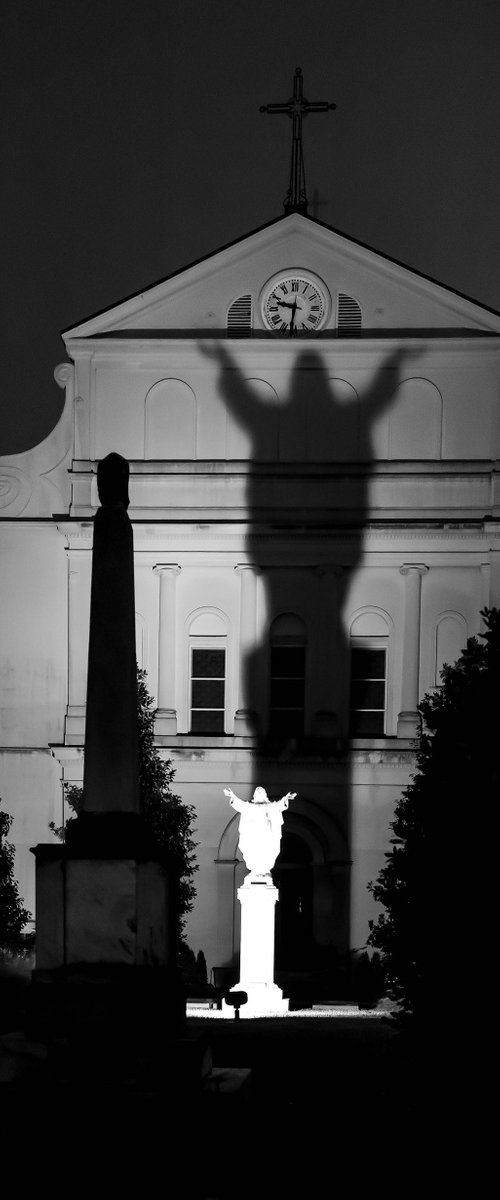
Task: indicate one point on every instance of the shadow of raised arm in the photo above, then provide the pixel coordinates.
(381, 392)
(240, 400)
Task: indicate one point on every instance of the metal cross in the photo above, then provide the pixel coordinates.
(297, 107)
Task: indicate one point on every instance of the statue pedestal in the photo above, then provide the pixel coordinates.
(257, 952)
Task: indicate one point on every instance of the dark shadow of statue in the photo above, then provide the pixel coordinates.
(318, 445)
(328, 430)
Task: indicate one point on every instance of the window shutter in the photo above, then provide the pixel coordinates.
(348, 315)
(239, 317)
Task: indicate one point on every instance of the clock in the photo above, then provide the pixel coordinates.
(295, 303)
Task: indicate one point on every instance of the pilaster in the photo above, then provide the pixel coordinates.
(244, 717)
(409, 723)
(79, 564)
(166, 714)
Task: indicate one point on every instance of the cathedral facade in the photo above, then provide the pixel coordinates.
(313, 439)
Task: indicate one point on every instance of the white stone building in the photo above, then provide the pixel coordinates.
(316, 528)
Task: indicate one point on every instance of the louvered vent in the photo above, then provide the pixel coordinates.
(348, 315)
(239, 317)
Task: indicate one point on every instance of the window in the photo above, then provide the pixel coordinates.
(288, 671)
(368, 689)
(208, 675)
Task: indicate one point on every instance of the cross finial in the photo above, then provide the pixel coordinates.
(297, 107)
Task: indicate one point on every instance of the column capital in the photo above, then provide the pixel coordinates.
(421, 568)
(241, 567)
(164, 568)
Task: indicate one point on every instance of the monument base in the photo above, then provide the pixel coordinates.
(106, 981)
(100, 910)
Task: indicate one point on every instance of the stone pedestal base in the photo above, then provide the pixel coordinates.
(106, 984)
(245, 722)
(409, 725)
(100, 910)
(165, 722)
(263, 1001)
(258, 899)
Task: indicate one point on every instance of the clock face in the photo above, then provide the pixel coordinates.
(294, 304)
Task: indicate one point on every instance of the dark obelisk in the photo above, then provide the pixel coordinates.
(111, 776)
(104, 912)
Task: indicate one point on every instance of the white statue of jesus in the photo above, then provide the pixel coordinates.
(261, 820)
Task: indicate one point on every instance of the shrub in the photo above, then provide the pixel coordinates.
(434, 885)
(13, 914)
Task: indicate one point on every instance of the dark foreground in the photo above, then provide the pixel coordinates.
(328, 1099)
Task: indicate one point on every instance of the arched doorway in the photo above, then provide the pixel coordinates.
(293, 876)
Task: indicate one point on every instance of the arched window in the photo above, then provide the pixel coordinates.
(288, 675)
(207, 674)
(368, 675)
(170, 421)
(451, 639)
(415, 420)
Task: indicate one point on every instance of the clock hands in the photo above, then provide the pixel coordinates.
(294, 306)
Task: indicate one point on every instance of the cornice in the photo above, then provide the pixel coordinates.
(165, 535)
(401, 468)
(146, 348)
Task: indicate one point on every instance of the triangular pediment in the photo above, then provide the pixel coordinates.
(390, 296)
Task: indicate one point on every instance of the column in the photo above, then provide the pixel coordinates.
(245, 717)
(485, 589)
(79, 566)
(409, 719)
(166, 715)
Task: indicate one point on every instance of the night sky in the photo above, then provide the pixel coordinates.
(133, 145)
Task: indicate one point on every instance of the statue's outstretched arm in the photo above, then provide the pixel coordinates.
(285, 799)
(234, 800)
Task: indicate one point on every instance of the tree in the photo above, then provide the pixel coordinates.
(13, 915)
(168, 818)
(434, 883)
